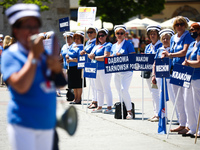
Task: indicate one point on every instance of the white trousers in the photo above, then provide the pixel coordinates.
(103, 88)
(22, 138)
(171, 96)
(155, 94)
(122, 83)
(180, 105)
(191, 120)
(196, 98)
(94, 90)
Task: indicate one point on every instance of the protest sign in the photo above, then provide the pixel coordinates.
(116, 64)
(141, 62)
(82, 59)
(182, 75)
(64, 24)
(90, 70)
(162, 67)
(86, 16)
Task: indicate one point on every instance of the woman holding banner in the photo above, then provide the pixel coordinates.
(153, 35)
(102, 82)
(165, 36)
(92, 33)
(193, 93)
(123, 79)
(75, 74)
(178, 47)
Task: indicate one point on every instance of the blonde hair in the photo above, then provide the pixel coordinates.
(119, 30)
(6, 41)
(164, 35)
(180, 19)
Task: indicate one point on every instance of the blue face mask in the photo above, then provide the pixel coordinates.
(194, 34)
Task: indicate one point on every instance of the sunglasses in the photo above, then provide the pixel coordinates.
(191, 30)
(119, 33)
(102, 35)
(90, 32)
(179, 24)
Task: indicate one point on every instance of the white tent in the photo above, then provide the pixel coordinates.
(168, 23)
(107, 25)
(149, 21)
(135, 24)
(74, 26)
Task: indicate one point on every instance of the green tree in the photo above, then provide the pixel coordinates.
(119, 11)
(40, 3)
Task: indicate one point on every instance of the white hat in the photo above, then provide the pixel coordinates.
(41, 34)
(153, 27)
(79, 33)
(186, 18)
(116, 27)
(65, 34)
(104, 29)
(1, 35)
(18, 11)
(93, 28)
(166, 31)
(49, 33)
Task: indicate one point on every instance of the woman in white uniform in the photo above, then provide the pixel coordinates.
(178, 47)
(153, 35)
(192, 94)
(123, 79)
(102, 82)
(92, 33)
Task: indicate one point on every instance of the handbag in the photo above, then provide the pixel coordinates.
(118, 114)
(145, 74)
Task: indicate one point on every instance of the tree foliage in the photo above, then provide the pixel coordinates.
(40, 3)
(119, 11)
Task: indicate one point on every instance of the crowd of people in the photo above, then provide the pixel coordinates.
(26, 75)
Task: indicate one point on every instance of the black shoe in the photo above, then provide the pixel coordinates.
(193, 136)
(75, 102)
(186, 135)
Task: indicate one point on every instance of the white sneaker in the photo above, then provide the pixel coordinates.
(108, 111)
(129, 116)
(155, 119)
(96, 111)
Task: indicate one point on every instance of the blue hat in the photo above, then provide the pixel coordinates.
(104, 29)
(153, 27)
(116, 27)
(166, 31)
(18, 11)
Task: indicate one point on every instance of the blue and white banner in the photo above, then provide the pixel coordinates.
(141, 62)
(162, 67)
(117, 64)
(90, 70)
(182, 75)
(82, 59)
(64, 24)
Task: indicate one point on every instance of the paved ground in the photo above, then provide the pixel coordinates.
(102, 131)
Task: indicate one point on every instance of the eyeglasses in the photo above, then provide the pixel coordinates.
(191, 30)
(90, 32)
(102, 35)
(179, 24)
(119, 33)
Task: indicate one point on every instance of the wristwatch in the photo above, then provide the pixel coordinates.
(34, 61)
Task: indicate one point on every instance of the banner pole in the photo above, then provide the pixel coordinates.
(165, 103)
(197, 128)
(173, 110)
(83, 72)
(142, 97)
(122, 110)
(88, 95)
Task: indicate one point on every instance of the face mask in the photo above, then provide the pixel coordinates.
(194, 34)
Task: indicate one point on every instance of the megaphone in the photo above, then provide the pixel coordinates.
(68, 120)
